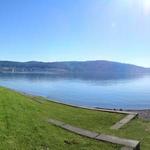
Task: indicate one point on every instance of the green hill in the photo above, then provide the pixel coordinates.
(72, 67)
(23, 125)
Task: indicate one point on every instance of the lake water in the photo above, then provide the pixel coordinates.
(125, 92)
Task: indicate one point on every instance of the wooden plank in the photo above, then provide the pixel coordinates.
(122, 122)
(132, 144)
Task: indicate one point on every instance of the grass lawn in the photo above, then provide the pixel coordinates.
(23, 125)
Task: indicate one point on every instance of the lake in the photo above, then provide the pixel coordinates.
(123, 92)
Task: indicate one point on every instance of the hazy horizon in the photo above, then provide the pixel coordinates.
(73, 61)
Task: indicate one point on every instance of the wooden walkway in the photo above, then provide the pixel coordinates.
(124, 121)
(118, 125)
(127, 144)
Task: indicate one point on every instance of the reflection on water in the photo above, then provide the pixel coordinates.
(109, 91)
(94, 76)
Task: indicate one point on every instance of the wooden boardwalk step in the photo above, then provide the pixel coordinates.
(124, 121)
(126, 143)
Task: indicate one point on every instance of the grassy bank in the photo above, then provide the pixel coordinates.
(23, 125)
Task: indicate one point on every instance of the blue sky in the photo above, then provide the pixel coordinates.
(64, 30)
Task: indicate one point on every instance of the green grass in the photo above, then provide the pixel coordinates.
(137, 129)
(23, 125)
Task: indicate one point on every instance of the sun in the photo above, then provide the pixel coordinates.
(142, 6)
(145, 4)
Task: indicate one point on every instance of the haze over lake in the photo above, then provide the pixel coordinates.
(119, 92)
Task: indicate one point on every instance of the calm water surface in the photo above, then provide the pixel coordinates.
(126, 93)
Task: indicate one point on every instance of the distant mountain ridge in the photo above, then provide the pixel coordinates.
(73, 67)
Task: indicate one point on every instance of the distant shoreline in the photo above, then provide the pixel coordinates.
(74, 67)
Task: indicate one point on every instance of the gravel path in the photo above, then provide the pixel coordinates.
(144, 114)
